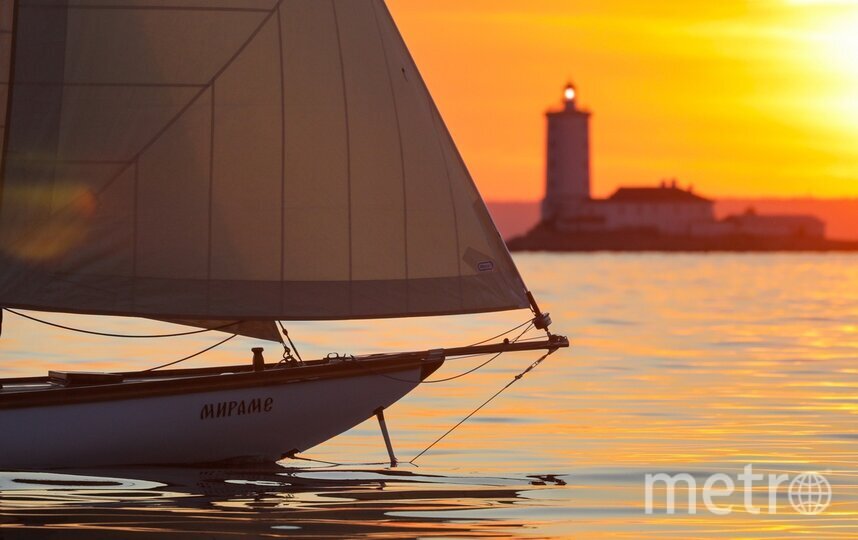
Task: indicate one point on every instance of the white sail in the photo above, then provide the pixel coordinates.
(237, 160)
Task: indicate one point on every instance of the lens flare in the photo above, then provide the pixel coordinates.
(64, 215)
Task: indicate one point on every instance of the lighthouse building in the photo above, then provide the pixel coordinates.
(568, 160)
(666, 208)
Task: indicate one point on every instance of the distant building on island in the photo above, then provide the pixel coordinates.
(665, 209)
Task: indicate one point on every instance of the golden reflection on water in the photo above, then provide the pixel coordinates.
(679, 363)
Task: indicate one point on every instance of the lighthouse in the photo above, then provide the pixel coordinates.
(567, 188)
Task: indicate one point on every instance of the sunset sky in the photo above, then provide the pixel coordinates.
(738, 98)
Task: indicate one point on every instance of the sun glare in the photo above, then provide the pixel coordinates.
(835, 41)
(823, 2)
(832, 25)
(841, 44)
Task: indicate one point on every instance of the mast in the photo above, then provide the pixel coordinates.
(8, 12)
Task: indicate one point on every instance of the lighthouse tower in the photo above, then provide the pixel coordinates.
(568, 168)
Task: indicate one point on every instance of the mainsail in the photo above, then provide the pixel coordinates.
(233, 160)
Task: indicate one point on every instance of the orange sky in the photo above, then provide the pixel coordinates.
(741, 98)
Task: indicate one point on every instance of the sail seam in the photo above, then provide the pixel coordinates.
(348, 145)
(128, 7)
(432, 111)
(134, 233)
(59, 118)
(108, 84)
(282, 157)
(401, 152)
(211, 200)
(81, 161)
(453, 206)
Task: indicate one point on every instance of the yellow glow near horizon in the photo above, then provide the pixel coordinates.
(738, 98)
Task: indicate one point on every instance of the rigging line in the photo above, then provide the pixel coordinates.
(124, 336)
(481, 366)
(511, 330)
(475, 411)
(291, 344)
(207, 349)
(460, 375)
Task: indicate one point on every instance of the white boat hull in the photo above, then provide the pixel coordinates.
(209, 415)
(257, 423)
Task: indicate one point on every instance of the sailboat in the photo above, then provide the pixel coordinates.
(229, 165)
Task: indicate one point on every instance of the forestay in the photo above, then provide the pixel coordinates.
(234, 159)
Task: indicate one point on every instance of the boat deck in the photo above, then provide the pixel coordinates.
(68, 379)
(61, 387)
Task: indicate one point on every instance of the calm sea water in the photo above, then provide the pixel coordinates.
(680, 363)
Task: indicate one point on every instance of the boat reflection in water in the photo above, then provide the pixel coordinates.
(266, 500)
